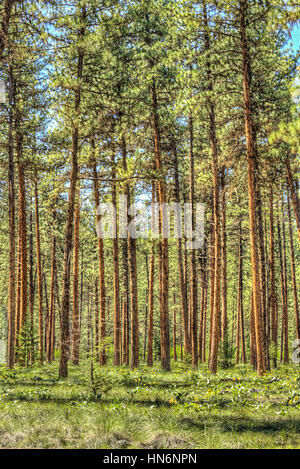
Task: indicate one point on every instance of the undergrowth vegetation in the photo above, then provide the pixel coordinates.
(147, 408)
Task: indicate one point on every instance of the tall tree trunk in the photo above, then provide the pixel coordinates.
(174, 329)
(117, 318)
(224, 259)
(133, 297)
(75, 322)
(51, 325)
(283, 289)
(251, 164)
(216, 317)
(193, 267)
(102, 288)
(65, 304)
(151, 305)
(12, 246)
(23, 233)
(96, 320)
(46, 322)
(183, 289)
(18, 294)
(253, 355)
(39, 272)
(285, 316)
(146, 306)
(240, 311)
(163, 248)
(126, 319)
(293, 270)
(31, 290)
(273, 299)
(202, 326)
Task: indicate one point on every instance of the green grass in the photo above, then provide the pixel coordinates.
(149, 408)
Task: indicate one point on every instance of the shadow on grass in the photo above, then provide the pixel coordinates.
(234, 424)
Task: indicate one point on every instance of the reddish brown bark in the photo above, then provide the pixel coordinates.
(117, 317)
(12, 246)
(216, 316)
(224, 258)
(76, 321)
(65, 304)
(183, 289)
(293, 270)
(102, 288)
(39, 272)
(251, 165)
(273, 298)
(22, 234)
(193, 269)
(163, 248)
(51, 322)
(151, 311)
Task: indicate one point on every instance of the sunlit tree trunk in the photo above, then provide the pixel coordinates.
(224, 259)
(102, 288)
(163, 248)
(51, 326)
(22, 233)
(216, 316)
(12, 245)
(126, 318)
(117, 318)
(193, 267)
(183, 289)
(76, 322)
(65, 304)
(151, 305)
(293, 270)
(39, 272)
(251, 165)
(273, 298)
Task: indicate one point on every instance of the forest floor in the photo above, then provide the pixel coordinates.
(148, 408)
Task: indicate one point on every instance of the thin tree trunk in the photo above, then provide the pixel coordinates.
(241, 296)
(183, 289)
(31, 290)
(117, 318)
(133, 298)
(150, 305)
(75, 322)
(23, 237)
(216, 317)
(12, 246)
(51, 327)
(285, 316)
(146, 306)
(39, 272)
(273, 299)
(163, 248)
(65, 306)
(224, 259)
(174, 329)
(102, 289)
(193, 269)
(293, 270)
(126, 319)
(283, 290)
